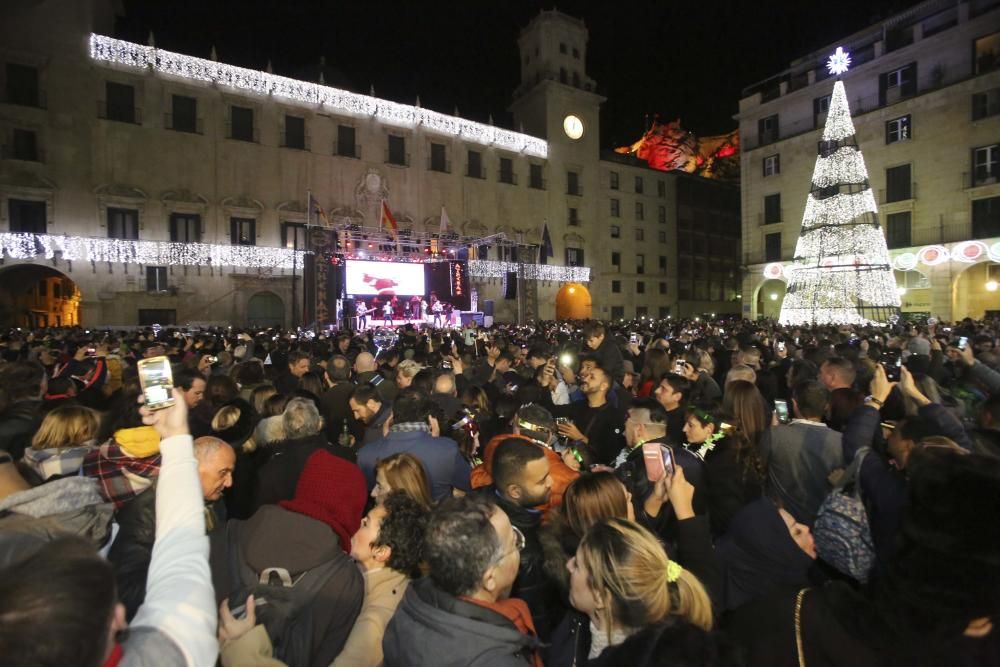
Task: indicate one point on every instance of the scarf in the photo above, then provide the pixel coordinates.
(410, 427)
(121, 476)
(116, 656)
(516, 611)
(599, 640)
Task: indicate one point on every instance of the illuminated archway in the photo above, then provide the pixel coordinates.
(770, 295)
(38, 296)
(573, 302)
(976, 291)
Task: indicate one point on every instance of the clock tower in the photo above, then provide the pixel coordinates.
(556, 101)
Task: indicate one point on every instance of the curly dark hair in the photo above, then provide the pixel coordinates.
(461, 543)
(402, 530)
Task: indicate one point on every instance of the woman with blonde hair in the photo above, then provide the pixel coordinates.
(627, 595)
(62, 441)
(402, 472)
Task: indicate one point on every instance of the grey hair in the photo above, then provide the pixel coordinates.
(741, 372)
(207, 445)
(301, 418)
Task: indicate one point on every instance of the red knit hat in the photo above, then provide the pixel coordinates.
(333, 491)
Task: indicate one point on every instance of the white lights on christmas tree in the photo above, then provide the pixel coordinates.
(119, 52)
(157, 253)
(842, 270)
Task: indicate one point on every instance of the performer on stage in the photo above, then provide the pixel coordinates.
(362, 311)
(438, 309)
(387, 313)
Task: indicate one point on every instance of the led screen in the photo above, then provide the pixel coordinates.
(378, 278)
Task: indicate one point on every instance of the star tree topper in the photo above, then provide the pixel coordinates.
(839, 62)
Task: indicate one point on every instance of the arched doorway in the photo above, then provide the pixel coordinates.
(770, 295)
(35, 296)
(573, 302)
(265, 309)
(975, 292)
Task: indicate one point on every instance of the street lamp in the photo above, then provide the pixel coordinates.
(992, 286)
(900, 291)
(774, 297)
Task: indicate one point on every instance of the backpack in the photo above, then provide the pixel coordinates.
(842, 533)
(283, 602)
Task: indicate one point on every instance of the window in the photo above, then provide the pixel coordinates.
(821, 105)
(123, 223)
(772, 165)
(22, 85)
(640, 235)
(767, 130)
(897, 230)
(574, 256)
(661, 188)
(898, 184)
(563, 75)
(663, 289)
(576, 53)
(662, 237)
(24, 145)
(662, 264)
(573, 183)
(295, 132)
(156, 279)
(616, 232)
(987, 53)
(57, 289)
(293, 235)
(241, 123)
(475, 165)
(618, 312)
(562, 47)
(183, 114)
(439, 158)
(640, 264)
(616, 286)
(535, 179)
(574, 217)
(984, 164)
(640, 211)
(986, 104)
(616, 260)
(772, 209)
(640, 287)
(243, 231)
(616, 208)
(27, 217)
(185, 228)
(772, 247)
(661, 215)
(638, 185)
(614, 180)
(346, 142)
(507, 171)
(119, 103)
(396, 151)
(986, 218)
(897, 129)
(898, 83)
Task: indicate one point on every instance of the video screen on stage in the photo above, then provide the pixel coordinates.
(384, 278)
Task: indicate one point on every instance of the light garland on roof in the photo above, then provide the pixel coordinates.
(130, 54)
(482, 268)
(158, 253)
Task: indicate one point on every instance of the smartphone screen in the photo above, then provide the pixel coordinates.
(668, 460)
(157, 382)
(781, 409)
(963, 342)
(892, 368)
(634, 338)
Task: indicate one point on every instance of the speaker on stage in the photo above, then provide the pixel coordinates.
(510, 285)
(488, 307)
(350, 310)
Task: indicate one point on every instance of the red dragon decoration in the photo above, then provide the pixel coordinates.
(669, 147)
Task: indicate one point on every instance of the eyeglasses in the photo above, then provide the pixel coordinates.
(519, 543)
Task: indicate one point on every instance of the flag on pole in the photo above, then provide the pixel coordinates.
(386, 220)
(321, 213)
(445, 222)
(546, 249)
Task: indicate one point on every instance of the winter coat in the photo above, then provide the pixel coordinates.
(18, 425)
(434, 629)
(70, 505)
(562, 474)
(277, 477)
(444, 464)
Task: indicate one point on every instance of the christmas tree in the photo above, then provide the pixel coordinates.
(842, 273)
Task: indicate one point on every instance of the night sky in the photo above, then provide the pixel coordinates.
(676, 59)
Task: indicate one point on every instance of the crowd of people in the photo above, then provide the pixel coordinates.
(696, 492)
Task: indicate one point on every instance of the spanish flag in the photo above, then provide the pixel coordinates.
(387, 221)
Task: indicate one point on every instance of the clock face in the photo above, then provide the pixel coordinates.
(573, 127)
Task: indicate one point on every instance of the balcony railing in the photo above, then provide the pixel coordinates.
(35, 100)
(440, 166)
(347, 150)
(253, 136)
(396, 159)
(883, 195)
(121, 114)
(472, 173)
(536, 184)
(576, 191)
(10, 153)
(762, 219)
(183, 124)
(978, 178)
(508, 177)
(295, 141)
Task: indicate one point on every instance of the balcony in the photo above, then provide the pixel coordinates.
(352, 150)
(472, 173)
(183, 124)
(35, 99)
(762, 219)
(440, 166)
(536, 183)
(12, 153)
(296, 142)
(575, 191)
(251, 135)
(397, 159)
(980, 178)
(119, 113)
(886, 197)
(508, 177)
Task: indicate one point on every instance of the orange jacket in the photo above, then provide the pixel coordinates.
(562, 474)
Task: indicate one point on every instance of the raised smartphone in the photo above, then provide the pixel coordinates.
(781, 409)
(659, 461)
(157, 381)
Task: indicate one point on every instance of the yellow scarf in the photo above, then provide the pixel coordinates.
(140, 442)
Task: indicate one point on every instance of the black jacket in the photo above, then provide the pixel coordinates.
(731, 484)
(532, 584)
(18, 425)
(603, 426)
(433, 629)
(277, 477)
(335, 407)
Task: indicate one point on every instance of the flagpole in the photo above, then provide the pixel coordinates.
(305, 292)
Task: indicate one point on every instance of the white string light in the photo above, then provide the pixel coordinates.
(845, 165)
(158, 253)
(482, 268)
(130, 54)
(839, 125)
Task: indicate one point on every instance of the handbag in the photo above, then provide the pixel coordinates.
(842, 532)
